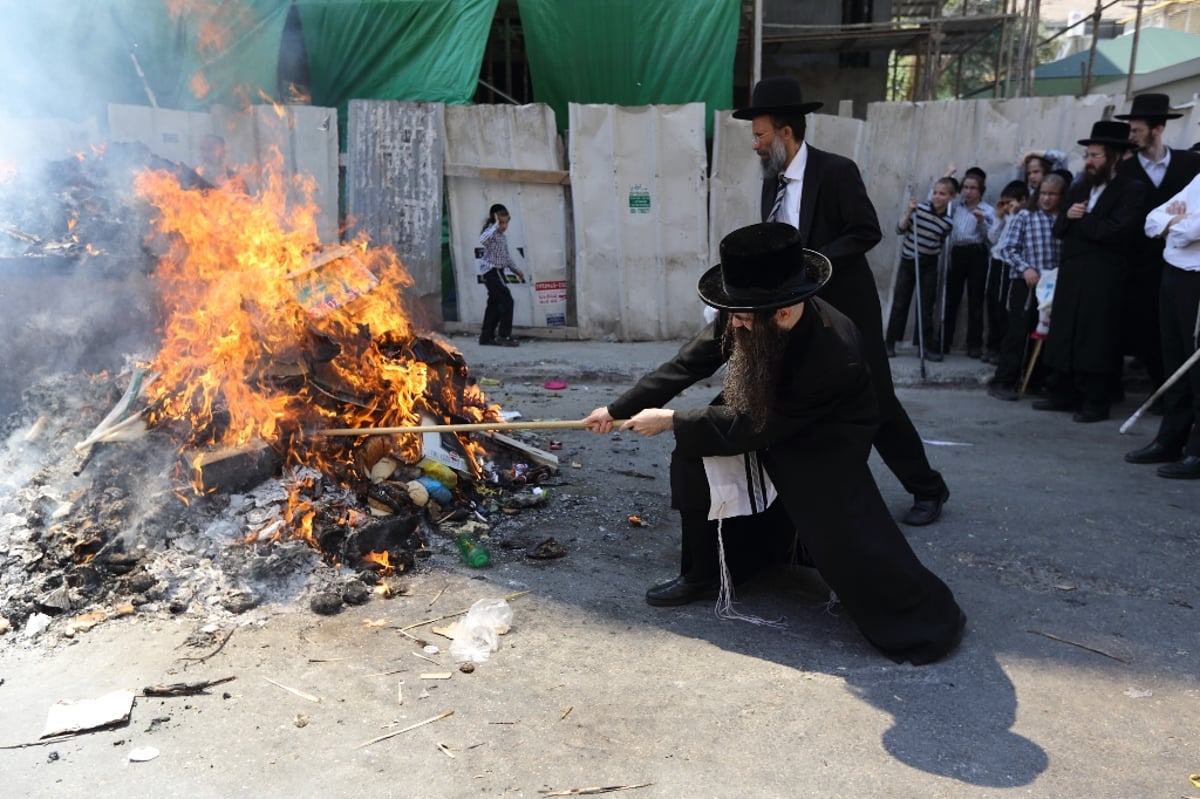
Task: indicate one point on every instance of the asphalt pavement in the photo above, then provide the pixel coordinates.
(1079, 675)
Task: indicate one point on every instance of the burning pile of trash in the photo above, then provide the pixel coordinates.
(211, 472)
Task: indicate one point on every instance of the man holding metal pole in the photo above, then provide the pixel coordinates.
(1177, 222)
(823, 196)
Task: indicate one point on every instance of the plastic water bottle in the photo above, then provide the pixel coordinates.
(473, 553)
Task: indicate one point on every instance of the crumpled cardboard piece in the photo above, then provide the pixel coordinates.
(67, 717)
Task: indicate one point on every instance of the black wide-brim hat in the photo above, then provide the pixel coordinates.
(778, 97)
(1150, 106)
(763, 267)
(1110, 133)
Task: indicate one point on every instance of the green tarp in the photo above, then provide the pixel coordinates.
(631, 52)
(71, 58)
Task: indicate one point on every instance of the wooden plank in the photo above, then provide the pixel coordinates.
(553, 176)
(534, 454)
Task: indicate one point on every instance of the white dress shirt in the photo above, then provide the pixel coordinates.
(790, 210)
(1183, 239)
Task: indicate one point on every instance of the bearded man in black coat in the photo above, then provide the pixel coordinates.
(1101, 221)
(798, 406)
(822, 195)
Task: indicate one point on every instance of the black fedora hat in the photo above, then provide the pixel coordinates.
(781, 95)
(1150, 106)
(763, 267)
(1110, 133)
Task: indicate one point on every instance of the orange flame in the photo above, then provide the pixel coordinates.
(199, 86)
(267, 335)
(383, 560)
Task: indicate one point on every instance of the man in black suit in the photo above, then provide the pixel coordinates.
(797, 404)
(1101, 219)
(823, 196)
(1166, 172)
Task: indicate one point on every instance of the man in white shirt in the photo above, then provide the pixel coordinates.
(1177, 223)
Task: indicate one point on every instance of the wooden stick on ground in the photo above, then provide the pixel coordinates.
(385, 736)
(595, 790)
(183, 688)
(1053, 637)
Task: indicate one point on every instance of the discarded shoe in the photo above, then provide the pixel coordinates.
(681, 592)
(926, 511)
(1186, 469)
(1153, 452)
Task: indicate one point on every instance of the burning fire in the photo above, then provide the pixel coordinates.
(268, 336)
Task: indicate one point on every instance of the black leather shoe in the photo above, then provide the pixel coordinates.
(1052, 404)
(974, 352)
(1089, 416)
(890, 349)
(680, 592)
(934, 356)
(1006, 393)
(926, 511)
(1153, 452)
(1186, 469)
(507, 341)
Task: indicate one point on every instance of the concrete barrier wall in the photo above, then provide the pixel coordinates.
(641, 219)
(494, 154)
(305, 136)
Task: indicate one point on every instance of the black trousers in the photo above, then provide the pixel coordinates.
(852, 291)
(1179, 301)
(995, 303)
(968, 268)
(1022, 320)
(498, 315)
(902, 296)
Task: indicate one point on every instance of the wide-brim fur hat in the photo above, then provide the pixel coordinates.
(763, 267)
(780, 96)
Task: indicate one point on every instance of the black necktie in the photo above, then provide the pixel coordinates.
(780, 193)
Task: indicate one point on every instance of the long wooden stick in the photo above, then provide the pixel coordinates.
(470, 427)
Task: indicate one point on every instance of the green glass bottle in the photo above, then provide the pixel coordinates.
(473, 553)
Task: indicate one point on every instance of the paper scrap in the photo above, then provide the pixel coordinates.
(88, 714)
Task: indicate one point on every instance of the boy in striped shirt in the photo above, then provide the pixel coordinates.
(927, 225)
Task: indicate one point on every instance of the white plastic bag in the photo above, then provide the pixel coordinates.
(478, 634)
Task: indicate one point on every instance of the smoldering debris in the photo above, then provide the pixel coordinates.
(126, 534)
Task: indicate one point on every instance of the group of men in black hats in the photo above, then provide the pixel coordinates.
(775, 468)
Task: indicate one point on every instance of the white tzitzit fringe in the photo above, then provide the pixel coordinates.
(726, 596)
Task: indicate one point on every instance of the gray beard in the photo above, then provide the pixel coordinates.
(776, 162)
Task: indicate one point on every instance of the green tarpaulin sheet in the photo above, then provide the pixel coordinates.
(631, 52)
